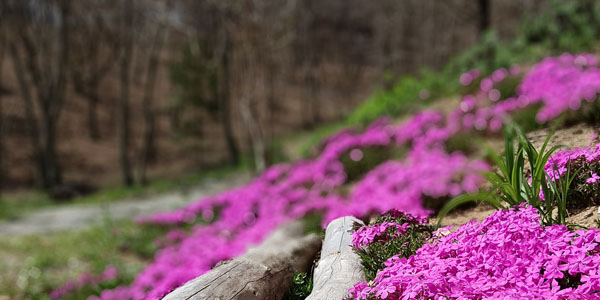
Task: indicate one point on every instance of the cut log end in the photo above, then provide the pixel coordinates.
(339, 268)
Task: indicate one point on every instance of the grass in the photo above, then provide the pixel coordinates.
(32, 266)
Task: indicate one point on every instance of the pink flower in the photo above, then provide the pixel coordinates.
(593, 179)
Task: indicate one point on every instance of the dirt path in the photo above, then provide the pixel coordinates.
(80, 215)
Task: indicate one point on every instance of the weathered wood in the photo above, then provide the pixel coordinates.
(339, 267)
(264, 272)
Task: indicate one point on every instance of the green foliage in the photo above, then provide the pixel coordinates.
(14, 206)
(316, 137)
(404, 97)
(195, 78)
(465, 142)
(583, 194)
(564, 26)
(374, 255)
(313, 223)
(371, 158)
(302, 285)
(512, 186)
(525, 118)
(486, 56)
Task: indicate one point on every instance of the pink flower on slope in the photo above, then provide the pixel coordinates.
(593, 179)
(384, 293)
(509, 255)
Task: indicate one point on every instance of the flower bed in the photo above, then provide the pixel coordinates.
(586, 185)
(394, 233)
(507, 256)
(245, 215)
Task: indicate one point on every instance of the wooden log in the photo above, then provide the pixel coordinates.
(264, 272)
(339, 268)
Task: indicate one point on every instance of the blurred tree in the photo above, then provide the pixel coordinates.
(3, 48)
(157, 29)
(125, 57)
(40, 35)
(203, 73)
(95, 44)
(484, 16)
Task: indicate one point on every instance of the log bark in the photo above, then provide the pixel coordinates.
(264, 272)
(339, 268)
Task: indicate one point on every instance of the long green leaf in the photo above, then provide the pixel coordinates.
(466, 198)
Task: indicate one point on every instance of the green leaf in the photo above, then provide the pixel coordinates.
(484, 197)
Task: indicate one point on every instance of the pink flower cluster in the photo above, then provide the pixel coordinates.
(561, 83)
(558, 163)
(243, 216)
(85, 279)
(468, 77)
(434, 174)
(507, 256)
(290, 191)
(367, 234)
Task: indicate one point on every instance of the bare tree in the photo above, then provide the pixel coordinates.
(40, 53)
(213, 23)
(256, 134)
(224, 100)
(126, 30)
(156, 44)
(3, 50)
(484, 15)
(95, 44)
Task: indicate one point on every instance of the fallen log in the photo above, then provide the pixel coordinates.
(264, 272)
(339, 268)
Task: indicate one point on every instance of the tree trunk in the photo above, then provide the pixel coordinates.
(123, 108)
(272, 111)
(52, 176)
(93, 100)
(256, 135)
(339, 268)
(224, 107)
(2, 55)
(47, 76)
(314, 99)
(31, 121)
(57, 93)
(484, 15)
(148, 150)
(264, 272)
